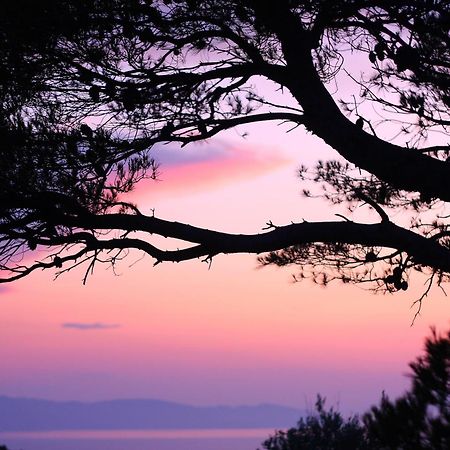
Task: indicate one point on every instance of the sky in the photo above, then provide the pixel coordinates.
(232, 333)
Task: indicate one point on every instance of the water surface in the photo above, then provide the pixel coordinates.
(210, 439)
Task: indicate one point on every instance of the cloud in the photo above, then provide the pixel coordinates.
(171, 156)
(90, 326)
(212, 165)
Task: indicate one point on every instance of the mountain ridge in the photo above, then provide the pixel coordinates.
(32, 414)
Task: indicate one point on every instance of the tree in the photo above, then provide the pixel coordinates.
(418, 420)
(149, 72)
(326, 430)
(421, 418)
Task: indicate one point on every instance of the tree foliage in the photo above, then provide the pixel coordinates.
(88, 88)
(325, 430)
(418, 420)
(421, 418)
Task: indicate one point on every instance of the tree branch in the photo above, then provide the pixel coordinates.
(422, 250)
(404, 168)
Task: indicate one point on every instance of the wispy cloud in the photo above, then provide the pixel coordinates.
(90, 326)
(219, 152)
(211, 165)
(170, 155)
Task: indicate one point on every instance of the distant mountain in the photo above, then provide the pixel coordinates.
(25, 414)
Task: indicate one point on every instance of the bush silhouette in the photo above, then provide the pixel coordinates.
(418, 420)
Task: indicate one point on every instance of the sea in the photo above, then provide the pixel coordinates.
(210, 439)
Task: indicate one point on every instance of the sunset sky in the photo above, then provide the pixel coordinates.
(230, 334)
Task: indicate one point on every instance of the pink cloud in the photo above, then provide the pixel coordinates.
(209, 167)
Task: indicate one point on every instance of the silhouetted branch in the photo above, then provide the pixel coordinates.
(87, 93)
(422, 250)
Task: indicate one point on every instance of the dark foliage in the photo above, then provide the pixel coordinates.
(88, 88)
(419, 420)
(327, 430)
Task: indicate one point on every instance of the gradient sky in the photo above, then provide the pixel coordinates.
(231, 334)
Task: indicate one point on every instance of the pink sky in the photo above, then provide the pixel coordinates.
(232, 334)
